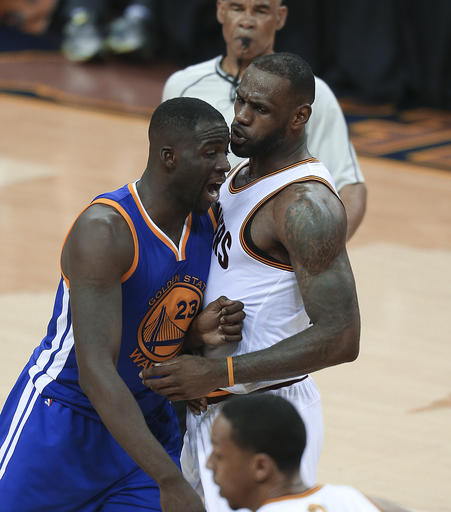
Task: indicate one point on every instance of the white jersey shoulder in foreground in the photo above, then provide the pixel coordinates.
(326, 498)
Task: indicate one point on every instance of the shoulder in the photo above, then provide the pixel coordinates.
(311, 222)
(182, 79)
(100, 237)
(313, 199)
(345, 494)
(101, 216)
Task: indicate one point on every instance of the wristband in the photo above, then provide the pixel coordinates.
(230, 371)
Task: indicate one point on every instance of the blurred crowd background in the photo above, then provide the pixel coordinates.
(389, 51)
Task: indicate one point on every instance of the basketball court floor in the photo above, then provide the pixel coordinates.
(387, 415)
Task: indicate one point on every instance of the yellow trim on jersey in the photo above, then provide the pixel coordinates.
(213, 219)
(235, 190)
(158, 233)
(186, 236)
(218, 392)
(304, 494)
(247, 249)
(128, 220)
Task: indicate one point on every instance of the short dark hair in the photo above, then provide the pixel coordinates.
(181, 114)
(265, 423)
(294, 68)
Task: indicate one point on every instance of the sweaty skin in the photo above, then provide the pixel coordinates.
(304, 226)
(98, 251)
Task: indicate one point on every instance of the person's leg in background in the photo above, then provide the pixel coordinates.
(82, 33)
(134, 30)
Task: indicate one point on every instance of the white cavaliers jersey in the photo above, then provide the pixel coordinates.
(268, 289)
(323, 498)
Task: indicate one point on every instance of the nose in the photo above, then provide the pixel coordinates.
(243, 114)
(247, 20)
(222, 164)
(209, 463)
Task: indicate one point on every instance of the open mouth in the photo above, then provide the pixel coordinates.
(244, 42)
(213, 191)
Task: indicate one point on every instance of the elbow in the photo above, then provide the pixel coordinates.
(351, 343)
(346, 342)
(353, 352)
(87, 381)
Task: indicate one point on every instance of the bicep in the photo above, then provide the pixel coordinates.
(313, 231)
(97, 321)
(329, 295)
(95, 256)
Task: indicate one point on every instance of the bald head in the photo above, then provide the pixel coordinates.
(249, 28)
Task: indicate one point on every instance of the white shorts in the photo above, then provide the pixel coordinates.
(196, 449)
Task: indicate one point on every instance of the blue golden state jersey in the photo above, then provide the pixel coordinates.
(161, 293)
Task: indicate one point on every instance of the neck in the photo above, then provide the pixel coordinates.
(234, 66)
(261, 165)
(279, 490)
(233, 63)
(164, 210)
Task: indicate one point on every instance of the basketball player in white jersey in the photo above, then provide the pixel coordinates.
(249, 28)
(257, 443)
(280, 248)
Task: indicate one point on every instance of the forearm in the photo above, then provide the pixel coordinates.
(123, 418)
(306, 352)
(188, 377)
(354, 200)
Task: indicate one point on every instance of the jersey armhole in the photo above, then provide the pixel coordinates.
(245, 232)
(128, 220)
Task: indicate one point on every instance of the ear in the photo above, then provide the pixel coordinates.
(262, 467)
(282, 12)
(220, 11)
(301, 116)
(167, 156)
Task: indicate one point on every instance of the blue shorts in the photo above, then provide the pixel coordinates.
(54, 459)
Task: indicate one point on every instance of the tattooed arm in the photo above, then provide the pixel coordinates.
(305, 226)
(309, 222)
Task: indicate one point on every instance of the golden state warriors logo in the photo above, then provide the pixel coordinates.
(161, 332)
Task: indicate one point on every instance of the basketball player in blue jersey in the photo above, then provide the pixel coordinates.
(280, 248)
(79, 431)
